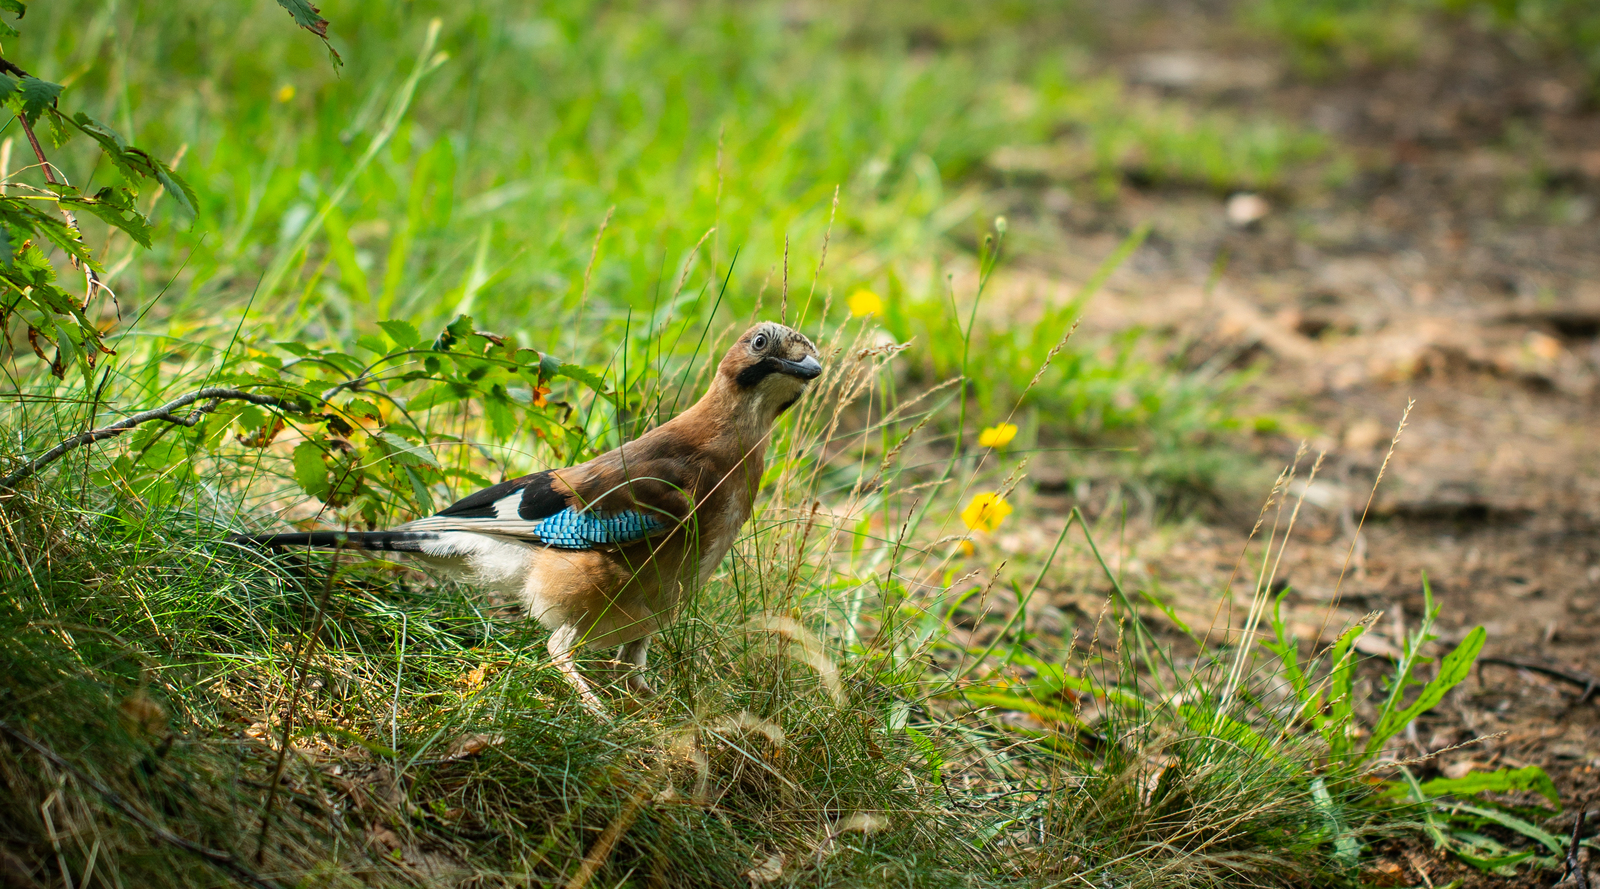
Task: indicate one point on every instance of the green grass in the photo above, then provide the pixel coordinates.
(1326, 36)
(849, 702)
(486, 195)
(815, 709)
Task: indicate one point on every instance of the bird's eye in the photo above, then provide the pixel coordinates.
(759, 343)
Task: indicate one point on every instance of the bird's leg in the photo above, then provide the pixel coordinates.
(563, 650)
(633, 654)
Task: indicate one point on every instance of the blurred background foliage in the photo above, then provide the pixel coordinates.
(331, 198)
(485, 194)
(1332, 34)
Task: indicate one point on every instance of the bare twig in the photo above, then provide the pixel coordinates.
(1588, 683)
(215, 856)
(211, 395)
(1574, 865)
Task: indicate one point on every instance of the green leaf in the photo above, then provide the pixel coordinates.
(309, 17)
(306, 16)
(405, 452)
(1453, 670)
(497, 410)
(115, 207)
(177, 187)
(15, 7)
(310, 470)
(108, 138)
(1341, 705)
(37, 95)
(435, 395)
(419, 490)
(1529, 778)
(403, 333)
(1008, 701)
(583, 375)
(372, 344)
(1496, 864)
(135, 163)
(8, 85)
(1512, 822)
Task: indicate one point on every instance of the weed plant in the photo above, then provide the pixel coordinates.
(822, 720)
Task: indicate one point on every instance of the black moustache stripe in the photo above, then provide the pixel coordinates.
(755, 373)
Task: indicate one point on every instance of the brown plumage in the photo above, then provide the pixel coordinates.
(604, 553)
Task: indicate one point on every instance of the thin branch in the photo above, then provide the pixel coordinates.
(1588, 683)
(212, 395)
(215, 856)
(1574, 869)
(91, 278)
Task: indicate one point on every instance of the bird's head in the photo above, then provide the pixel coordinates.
(770, 366)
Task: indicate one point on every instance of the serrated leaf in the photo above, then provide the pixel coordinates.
(435, 395)
(309, 17)
(37, 95)
(405, 452)
(310, 470)
(1529, 778)
(135, 163)
(372, 344)
(177, 187)
(306, 16)
(403, 333)
(1512, 822)
(583, 375)
(108, 138)
(476, 480)
(1453, 670)
(115, 210)
(1497, 864)
(419, 490)
(344, 478)
(497, 410)
(8, 86)
(453, 332)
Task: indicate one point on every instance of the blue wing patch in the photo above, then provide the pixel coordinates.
(571, 529)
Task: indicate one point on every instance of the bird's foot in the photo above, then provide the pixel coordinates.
(639, 686)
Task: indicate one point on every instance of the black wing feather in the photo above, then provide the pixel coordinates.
(540, 499)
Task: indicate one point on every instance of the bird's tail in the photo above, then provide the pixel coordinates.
(384, 541)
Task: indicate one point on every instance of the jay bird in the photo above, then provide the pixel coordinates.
(602, 553)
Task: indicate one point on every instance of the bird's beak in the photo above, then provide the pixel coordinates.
(807, 368)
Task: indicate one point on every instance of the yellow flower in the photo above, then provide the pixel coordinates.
(997, 436)
(286, 92)
(985, 512)
(865, 302)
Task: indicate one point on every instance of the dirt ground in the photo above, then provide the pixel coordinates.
(1457, 266)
